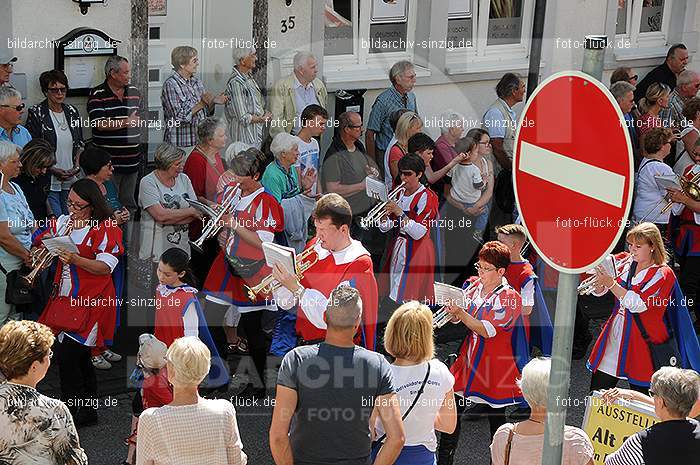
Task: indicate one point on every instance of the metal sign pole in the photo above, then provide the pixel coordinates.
(559, 376)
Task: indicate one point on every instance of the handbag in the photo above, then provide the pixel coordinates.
(59, 315)
(503, 191)
(662, 354)
(378, 442)
(18, 291)
(243, 267)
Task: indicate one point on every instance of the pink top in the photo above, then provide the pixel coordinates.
(443, 154)
(646, 123)
(526, 450)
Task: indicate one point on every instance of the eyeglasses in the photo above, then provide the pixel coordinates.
(58, 90)
(355, 127)
(72, 204)
(651, 393)
(485, 143)
(19, 107)
(50, 354)
(483, 268)
(633, 78)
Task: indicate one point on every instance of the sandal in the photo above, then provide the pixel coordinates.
(239, 347)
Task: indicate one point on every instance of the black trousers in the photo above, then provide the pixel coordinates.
(76, 374)
(449, 441)
(214, 314)
(258, 343)
(602, 381)
(689, 280)
(201, 262)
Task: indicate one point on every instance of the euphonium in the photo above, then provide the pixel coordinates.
(213, 224)
(442, 316)
(268, 284)
(588, 285)
(42, 257)
(375, 215)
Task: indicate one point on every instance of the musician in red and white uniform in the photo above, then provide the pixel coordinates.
(521, 276)
(687, 243)
(411, 265)
(495, 351)
(341, 261)
(255, 220)
(649, 291)
(83, 291)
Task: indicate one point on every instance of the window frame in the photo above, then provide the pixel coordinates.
(633, 36)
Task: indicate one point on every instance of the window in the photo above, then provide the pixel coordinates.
(154, 33)
(366, 32)
(644, 23)
(154, 75)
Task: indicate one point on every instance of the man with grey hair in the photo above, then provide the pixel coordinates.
(623, 92)
(687, 87)
(245, 109)
(676, 438)
(116, 126)
(7, 61)
(400, 95)
(11, 109)
(326, 393)
(290, 95)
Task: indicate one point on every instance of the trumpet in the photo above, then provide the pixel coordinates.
(213, 224)
(269, 284)
(588, 285)
(689, 187)
(442, 316)
(42, 257)
(376, 214)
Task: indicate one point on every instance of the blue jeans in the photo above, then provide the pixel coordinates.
(58, 201)
(480, 221)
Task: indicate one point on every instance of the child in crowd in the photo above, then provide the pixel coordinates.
(468, 184)
(155, 391)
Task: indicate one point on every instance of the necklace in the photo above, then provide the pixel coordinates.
(535, 421)
(62, 121)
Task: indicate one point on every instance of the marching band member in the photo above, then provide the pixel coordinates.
(256, 218)
(521, 276)
(647, 297)
(82, 307)
(178, 313)
(687, 243)
(494, 353)
(341, 260)
(411, 265)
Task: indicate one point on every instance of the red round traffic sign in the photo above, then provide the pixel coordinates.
(573, 171)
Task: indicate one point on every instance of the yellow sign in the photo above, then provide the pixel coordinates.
(609, 425)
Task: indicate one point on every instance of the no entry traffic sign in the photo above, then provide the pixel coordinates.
(573, 171)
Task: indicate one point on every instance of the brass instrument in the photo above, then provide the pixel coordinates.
(268, 284)
(213, 224)
(42, 257)
(690, 187)
(588, 285)
(442, 316)
(377, 213)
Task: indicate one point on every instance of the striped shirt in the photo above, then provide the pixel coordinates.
(179, 96)
(246, 102)
(124, 144)
(387, 103)
(629, 454)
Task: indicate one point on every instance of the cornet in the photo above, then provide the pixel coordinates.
(377, 213)
(42, 257)
(442, 316)
(588, 285)
(269, 284)
(213, 224)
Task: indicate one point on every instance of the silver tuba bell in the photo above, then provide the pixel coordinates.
(213, 224)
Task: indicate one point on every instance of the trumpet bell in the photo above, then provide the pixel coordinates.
(194, 245)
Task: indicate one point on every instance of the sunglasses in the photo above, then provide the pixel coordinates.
(632, 78)
(57, 90)
(408, 173)
(19, 107)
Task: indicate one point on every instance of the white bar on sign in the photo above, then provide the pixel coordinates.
(597, 183)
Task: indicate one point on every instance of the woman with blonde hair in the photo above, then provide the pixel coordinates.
(650, 106)
(190, 429)
(409, 124)
(409, 339)
(33, 428)
(649, 312)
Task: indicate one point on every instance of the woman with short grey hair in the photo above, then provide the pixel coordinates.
(675, 395)
(165, 212)
(245, 110)
(521, 443)
(16, 225)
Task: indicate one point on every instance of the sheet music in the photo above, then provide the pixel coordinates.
(667, 182)
(275, 253)
(54, 244)
(447, 295)
(375, 189)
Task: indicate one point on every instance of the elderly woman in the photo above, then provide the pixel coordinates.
(245, 110)
(58, 123)
(283, 182)
(676, 439)
(190, 429)
(690, 134)
(451, 130)
(185, 101)
(16, 225)
(521, 443)
(409, 339)
(33, 428)
(166, 214)
(37, 157)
